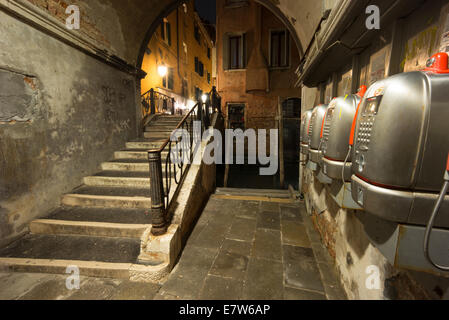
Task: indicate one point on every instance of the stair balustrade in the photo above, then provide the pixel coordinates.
(155, 102)
(181, 148)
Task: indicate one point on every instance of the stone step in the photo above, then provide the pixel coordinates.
(156, 135)
(144, 145)
(108, 197)
(131, 165)
(51, 266)
(170, 123)
(169, 117)
(71, 247)
(107, 215)
(163, 130)
(135, 154)
(119, 179)
(102, 257)
(164, 123)
(276, 193)
(98, 201)
(88, 228)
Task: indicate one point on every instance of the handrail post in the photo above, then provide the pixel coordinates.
(158, 210)
(219, 105)
(152, 102)
(216, 100)
(207, 119)
(200, 111)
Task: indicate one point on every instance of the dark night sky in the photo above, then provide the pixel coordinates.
(206, 9)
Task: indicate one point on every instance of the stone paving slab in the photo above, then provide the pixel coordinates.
(269, 220)
(218, 288)
(264, 280)
(301, 269)
(29, 286)
(264, 251)
(295, 234)
(242, 229)
(267, 244)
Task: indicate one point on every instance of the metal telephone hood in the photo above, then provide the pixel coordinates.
(336, 133)
(305, 122)
(316, 123)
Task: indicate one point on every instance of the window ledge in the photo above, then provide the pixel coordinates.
(241, 4)
(280, 68)
(234, 70)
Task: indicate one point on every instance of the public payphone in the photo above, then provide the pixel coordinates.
(401, 142)
(336, 132)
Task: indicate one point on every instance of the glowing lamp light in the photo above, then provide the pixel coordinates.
(162, 70)
(204, 98)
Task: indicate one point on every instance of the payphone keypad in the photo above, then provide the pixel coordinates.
(365, 130)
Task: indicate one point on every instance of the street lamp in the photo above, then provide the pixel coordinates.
(162, 70)
(204, 98)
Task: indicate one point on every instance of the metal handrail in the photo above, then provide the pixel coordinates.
(149, 98)
(160, 191)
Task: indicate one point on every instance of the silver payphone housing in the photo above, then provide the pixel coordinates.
(316, 123)
(400, 148)
(305, 121)
(336, 132)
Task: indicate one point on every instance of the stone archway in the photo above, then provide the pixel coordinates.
(173, 4)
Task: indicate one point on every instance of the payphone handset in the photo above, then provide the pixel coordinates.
(361, 93)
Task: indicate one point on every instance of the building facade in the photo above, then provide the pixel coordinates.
(257, 58)
(178, 60)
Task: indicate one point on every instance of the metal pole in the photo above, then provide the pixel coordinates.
(158, 210)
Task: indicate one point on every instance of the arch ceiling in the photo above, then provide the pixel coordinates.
(127, 25)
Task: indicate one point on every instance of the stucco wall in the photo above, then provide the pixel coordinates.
(261, 107)
(61, 114)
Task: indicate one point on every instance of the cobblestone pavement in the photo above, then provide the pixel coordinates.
(253, 250)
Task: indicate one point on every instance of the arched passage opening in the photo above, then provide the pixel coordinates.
(172, 5)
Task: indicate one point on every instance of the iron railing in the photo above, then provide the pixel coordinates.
(155, 102)
(180, 153)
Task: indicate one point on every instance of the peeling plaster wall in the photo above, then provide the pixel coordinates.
(61, 114)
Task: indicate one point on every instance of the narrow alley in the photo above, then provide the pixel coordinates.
(181, 151)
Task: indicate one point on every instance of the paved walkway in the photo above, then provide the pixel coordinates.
(31, 286)
(253, 250)
(239, 249)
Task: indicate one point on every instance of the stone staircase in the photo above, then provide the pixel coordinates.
(99, 225)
